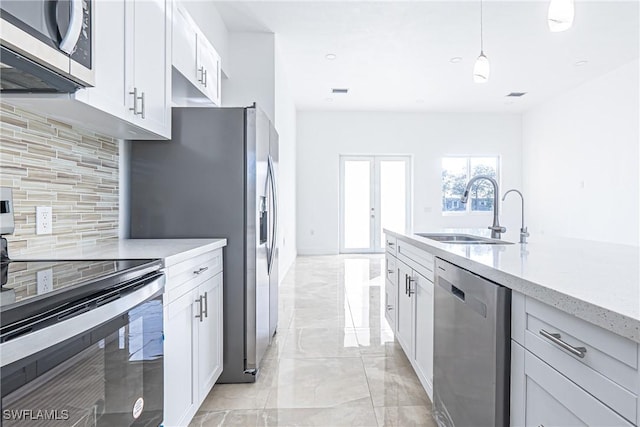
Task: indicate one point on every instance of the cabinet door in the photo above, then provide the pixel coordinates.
(424, 328)
(151, 65)
(553, 400)
(390, 309)
(180, 400)
(209, 64)
(184, 45)
(405, 310)
(210, 335)
(110, 91)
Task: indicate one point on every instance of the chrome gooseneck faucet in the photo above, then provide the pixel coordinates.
(496, 228)
(524, 233)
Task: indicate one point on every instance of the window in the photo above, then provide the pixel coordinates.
(456, 172)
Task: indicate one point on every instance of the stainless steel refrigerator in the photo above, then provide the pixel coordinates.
(216, 177)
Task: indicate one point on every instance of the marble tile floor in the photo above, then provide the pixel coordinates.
(333, 361)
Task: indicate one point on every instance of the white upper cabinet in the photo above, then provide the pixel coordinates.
(196, 64)
(151, 79)
(132, 59)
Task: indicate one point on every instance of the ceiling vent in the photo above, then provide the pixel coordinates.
(339, 90)
(516, 94)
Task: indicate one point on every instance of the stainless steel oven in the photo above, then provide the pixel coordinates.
(47, 45)
(82, 346)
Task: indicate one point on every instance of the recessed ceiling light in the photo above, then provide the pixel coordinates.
(581, 63)
(331, 56)
(455, 59)
(419, 101)
(329, 99)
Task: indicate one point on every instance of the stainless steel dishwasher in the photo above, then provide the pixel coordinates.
(472, 331)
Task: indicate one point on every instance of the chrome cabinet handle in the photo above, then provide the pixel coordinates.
(411, 291)
(389, 271)
(199, 301)
(205, 303)
(142, 110)
(406, 284)
(135, 102)
(390, 244)
(204, 78)
(201, 78)
(389, 307)
(201, 270)
(556, 339)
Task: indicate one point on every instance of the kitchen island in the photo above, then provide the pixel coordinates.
(596, 282)
(575, 322)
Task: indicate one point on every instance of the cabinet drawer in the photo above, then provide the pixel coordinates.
(191, 273)
(392, 270)
(391, 244)
(417, 259)
(181, 272)
(553, 400)
(609, 368)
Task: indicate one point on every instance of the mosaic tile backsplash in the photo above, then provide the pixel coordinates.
(50, 163)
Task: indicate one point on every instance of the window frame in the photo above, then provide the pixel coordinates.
(468, 211)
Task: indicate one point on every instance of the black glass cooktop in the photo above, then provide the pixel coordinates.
(31, 287)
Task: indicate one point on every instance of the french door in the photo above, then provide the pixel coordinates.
(375, 193)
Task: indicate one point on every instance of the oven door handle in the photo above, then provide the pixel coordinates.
(70, 39)
(34, 342)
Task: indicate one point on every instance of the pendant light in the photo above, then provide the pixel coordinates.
(560, 17)
(481, 67)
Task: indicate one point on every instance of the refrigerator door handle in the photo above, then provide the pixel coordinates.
(274, 230)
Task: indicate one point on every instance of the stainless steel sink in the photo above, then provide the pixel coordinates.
(462, 239)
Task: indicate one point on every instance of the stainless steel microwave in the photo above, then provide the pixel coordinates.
(46, 46)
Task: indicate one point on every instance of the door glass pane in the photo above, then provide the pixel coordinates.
(393, 191)
(357, 203)
(481, 195)
(454, 180)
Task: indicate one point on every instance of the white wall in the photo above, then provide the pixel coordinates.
(252, 59)
(323, 136)
(285, 123)
(580, 153)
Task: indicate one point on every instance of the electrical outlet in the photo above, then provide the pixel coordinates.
(44, 220)
(44, 281)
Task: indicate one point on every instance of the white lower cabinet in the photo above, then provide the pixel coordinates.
(391, 292)
(180, 397)
(568, 372)
(548, 398)
(414, 311)
(210, 335)
(406, 308)
(193, 336)
(424, 330)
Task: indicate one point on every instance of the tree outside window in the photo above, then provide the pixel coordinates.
(456, 172)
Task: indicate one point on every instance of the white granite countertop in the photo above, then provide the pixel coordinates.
(597, 282)
(171, 251)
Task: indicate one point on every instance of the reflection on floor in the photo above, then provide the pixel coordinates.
(333, 362)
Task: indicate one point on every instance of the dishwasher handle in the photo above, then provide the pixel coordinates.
(457, 292)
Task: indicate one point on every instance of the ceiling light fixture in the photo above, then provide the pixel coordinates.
(560, 17)
(329, 99)
(481, 67)
(331, 56)
(455, 59)
(581, 63)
